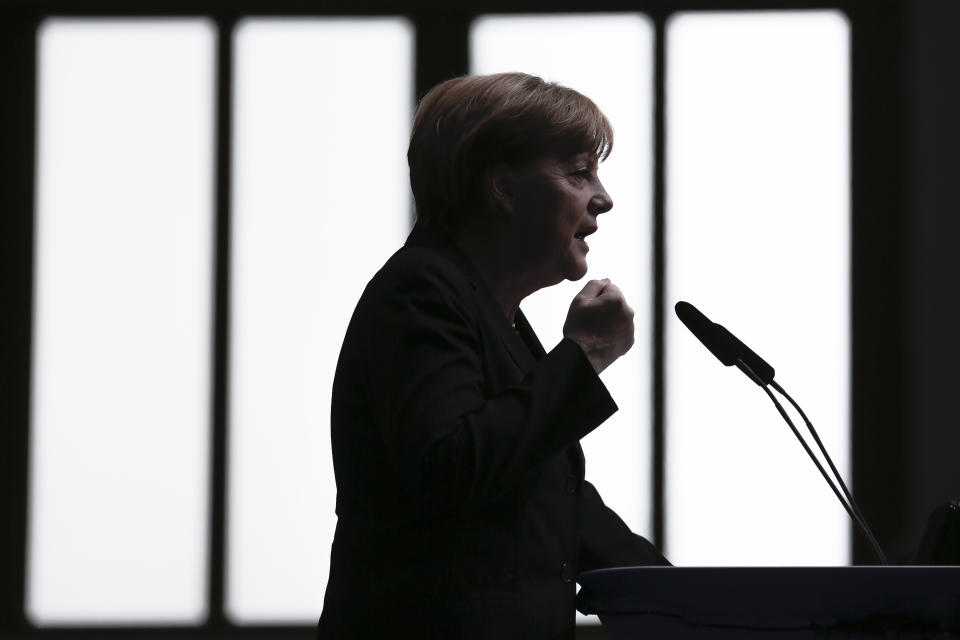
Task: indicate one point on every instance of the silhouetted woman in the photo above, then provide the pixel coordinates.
(461, 503)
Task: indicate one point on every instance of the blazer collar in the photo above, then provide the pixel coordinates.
(522, 344)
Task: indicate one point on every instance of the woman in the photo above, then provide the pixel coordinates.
(462, 508)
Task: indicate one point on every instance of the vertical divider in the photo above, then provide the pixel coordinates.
(18, 49)
(441, 52)
(659, 310)
(221, 322)
(442, 47)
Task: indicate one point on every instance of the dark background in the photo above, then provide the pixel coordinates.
(906, 230)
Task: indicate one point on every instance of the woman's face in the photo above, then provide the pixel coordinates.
(556, 202)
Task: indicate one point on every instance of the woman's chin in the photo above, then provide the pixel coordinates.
(576, 270)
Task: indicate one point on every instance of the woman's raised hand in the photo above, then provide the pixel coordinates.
(601, 322)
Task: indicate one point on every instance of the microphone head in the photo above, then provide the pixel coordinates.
(761, 368)
(713, 336)
(762, 372)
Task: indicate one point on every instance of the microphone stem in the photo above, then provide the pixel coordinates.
(865, 528)
(806, 448)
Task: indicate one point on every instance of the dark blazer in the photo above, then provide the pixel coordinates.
(462, 508)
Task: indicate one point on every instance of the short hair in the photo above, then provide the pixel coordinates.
(466, 125)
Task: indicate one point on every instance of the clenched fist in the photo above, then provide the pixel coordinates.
(601, 322)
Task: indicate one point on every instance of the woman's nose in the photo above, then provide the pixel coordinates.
(600, 202)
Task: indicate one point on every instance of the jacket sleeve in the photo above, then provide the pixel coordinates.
(449, 443)
(606, 540)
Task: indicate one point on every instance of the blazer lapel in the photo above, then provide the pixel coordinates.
(529, 337)
(520, 351)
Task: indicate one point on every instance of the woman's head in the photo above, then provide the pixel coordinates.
(466, 126)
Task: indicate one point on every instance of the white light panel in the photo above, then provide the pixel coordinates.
(119, 462)
(757, 222)
(618, 77)
(321, 199)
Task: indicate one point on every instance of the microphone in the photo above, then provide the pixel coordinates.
(729, 350)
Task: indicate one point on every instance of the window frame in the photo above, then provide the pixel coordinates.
(441, 51)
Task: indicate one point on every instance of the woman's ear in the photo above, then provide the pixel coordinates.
(501, 189)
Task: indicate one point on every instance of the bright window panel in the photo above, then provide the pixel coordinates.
(757, 221)
(618, 77)
(118, 523)
(321, 199)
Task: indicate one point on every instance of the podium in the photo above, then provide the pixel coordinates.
(783, 603)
